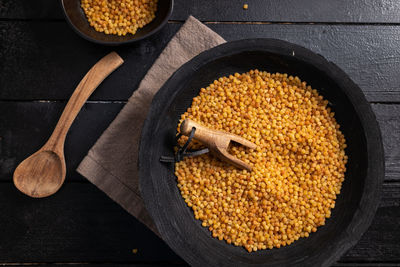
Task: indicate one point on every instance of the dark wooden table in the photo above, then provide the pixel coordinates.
(42, 60)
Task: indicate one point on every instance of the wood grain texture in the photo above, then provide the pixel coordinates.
(81, 224)
(47, 63)
(96, 74)
(125, 264)
(25, 9)
(25, 126)
(47, 59)
(354, 11)
(43, 173)
(288, 11)
(217, 141)
(389, 122)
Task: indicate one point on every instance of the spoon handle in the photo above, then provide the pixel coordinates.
(85, 88)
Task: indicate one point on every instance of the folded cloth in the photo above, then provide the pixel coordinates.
(111, 164)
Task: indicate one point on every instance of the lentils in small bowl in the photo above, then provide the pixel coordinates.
(112, 22)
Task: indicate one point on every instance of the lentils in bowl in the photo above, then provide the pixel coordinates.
(298, 165)
(111, 22)
(356, 204)
(119, 16)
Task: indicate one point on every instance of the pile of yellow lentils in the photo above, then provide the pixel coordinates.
(298, 165)
(119, 16)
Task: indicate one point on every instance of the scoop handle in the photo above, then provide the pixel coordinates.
(203, 134)
(85, 88)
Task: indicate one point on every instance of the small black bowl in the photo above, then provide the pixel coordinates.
(77, 19)
(359, 197)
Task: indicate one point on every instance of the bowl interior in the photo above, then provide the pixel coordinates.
(79, 22)
(182, 229)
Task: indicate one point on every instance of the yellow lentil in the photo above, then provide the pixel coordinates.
(298, 165)
(119, 16)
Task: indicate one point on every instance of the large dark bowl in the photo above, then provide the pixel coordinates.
(76, 18)
(359, 197)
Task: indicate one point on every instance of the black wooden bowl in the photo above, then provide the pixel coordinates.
(76, 18)
(359, 197)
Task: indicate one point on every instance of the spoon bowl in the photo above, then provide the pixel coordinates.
(41, 174)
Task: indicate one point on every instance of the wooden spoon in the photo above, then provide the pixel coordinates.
(217, 142)
(43, 173)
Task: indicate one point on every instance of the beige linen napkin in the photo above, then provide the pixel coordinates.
(111, 164)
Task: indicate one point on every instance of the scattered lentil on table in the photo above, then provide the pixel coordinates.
(298, 165)
(119, 17)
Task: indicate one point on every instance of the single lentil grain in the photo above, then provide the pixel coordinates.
(298, 165)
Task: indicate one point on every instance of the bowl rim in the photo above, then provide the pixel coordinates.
(370, 197)
(83, 35)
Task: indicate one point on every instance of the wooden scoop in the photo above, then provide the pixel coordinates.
(43, 173)
(218, 142)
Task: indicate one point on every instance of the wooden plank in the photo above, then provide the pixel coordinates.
(25, 9)
(125, 264)
(27, 125)
(383, 229)
(81, 224)
(46, 60)
(78, 224)
(48, 63)
(101, 264)
(363, 264)
(389, 121)
(368, 11)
